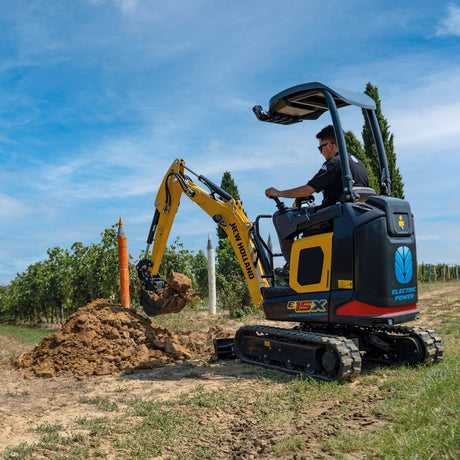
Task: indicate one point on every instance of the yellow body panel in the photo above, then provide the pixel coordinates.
(324, 242)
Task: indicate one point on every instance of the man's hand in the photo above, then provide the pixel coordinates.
(272, 192)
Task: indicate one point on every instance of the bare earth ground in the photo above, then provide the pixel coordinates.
(27, 401)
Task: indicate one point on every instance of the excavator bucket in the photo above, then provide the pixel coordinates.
(162, 302)
(160, 297)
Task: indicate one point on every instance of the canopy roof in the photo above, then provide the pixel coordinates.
(308, 102)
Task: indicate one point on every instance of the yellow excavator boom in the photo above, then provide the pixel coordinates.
(224, 209)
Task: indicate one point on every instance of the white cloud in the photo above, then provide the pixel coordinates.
(427, 124)
(450, 25)
(423, 111)
(437, 242)
(12, 207)
(126, 5)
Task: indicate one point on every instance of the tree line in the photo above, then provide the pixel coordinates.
(67, 279)
(52, 289)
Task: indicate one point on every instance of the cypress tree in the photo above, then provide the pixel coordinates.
(233, 291)
(397, 185)
(355, 148)
(228, 264)
(227, 184)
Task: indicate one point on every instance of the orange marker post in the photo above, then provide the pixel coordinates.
(123, 264)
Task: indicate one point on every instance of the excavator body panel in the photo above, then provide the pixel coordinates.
(362, 271)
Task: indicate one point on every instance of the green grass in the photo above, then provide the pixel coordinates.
(431, 285)
(96, 425)
(422, 404)
(103, 404)
(22, 451)
(185, 426)
(289, 444)
(49, 428)
(26, 335)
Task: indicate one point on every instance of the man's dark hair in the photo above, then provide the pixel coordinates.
(327, 133)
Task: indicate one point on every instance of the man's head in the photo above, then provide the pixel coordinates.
(327, 144)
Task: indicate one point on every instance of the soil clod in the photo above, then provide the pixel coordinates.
(172, 299)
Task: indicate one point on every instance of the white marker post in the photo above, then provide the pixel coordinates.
(212, 278)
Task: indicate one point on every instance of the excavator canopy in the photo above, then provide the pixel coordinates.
(308, 102)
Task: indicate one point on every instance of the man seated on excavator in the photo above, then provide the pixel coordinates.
(327, 180)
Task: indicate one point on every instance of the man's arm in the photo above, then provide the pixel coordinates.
(297, 192)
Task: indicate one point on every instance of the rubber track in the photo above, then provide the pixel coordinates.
(432, 344)
(348, 352)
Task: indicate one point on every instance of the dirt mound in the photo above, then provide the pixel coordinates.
(104, 338)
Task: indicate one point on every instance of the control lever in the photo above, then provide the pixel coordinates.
(279, 204)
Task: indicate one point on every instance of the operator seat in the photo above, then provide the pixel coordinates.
(321, 220)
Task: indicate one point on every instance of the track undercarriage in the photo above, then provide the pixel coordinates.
(390, 344)
(334, 352)
(318, 355)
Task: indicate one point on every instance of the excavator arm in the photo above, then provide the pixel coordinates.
(224, 209)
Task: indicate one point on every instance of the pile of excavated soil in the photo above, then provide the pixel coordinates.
(104, 338)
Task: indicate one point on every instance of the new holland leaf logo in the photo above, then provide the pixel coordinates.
(403, 264)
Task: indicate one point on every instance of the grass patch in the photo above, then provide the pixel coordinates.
(196, 422)
(17, 394)
(49, 428)
(290, 444)
(420, 402)
(103, 404)
(274, 417)
(435, 285)
(22, 451)
(161, 428)
(450, 323)
(26, 335)
(97, 425)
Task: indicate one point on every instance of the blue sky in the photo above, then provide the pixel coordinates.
(98, 97)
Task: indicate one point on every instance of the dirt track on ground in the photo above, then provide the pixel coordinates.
(185, 365)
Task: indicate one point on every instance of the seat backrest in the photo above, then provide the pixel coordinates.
(321, 220)
(363, 193)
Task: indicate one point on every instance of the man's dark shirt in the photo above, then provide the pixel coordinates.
(329, 178)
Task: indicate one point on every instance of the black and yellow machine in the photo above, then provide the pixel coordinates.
(353, 272)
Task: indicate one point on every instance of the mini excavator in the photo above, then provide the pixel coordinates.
(353, 271)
